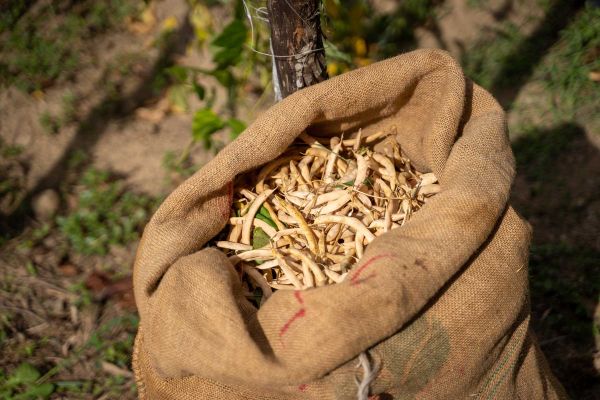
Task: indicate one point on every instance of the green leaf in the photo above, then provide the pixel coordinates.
(177, 95)
(345, 184)
(42, 391)
(233, 35)
(335, 54)
(25, 373)
(178, 73)
(266, 219)
(204, 124)
(236, 126)
(227, 57)
(263, 211)
(264, 215)
(224, 77)
(231, 42)
(259, 238)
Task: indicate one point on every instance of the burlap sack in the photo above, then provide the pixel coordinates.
(442, 302)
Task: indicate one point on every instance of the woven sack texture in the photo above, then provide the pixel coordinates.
(441, 303)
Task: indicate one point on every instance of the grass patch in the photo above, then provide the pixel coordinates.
(485, 62)
(106, 214)
(566, 73)
(33, 55)
(507, 59)
(52, 123)
(112, 342)
(21, 383)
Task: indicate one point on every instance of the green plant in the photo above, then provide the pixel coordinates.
(206, 123)
(21, 384)
(106, 214)
(33, 56)
(9, 151)
(11, 12)
(49, 123)
(69, 110)
(233, 65)
(566, 73)
(113, 342)
(52, 123)
(486, 61)
(84, 296)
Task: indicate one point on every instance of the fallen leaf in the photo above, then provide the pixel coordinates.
(68, 270)
(38, 94)
(119, 290)
(170, 24)
(144, 22)
(97, 282)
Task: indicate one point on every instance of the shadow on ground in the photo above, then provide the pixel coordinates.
(558, 190)
(92, 126)
(521, 62)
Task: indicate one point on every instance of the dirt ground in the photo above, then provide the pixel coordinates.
(72, 316)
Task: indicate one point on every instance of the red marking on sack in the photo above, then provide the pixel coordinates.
(356, 279)
(362, 280)
(303, 387)
(299, 314)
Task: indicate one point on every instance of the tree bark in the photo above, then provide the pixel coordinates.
(297, 43)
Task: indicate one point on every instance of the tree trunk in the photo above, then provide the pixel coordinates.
(297, 43)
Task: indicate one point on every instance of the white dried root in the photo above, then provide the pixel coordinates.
(306, 218)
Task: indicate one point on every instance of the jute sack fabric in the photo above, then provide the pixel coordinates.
(441, 303)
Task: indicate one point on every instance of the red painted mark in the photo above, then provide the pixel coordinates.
(298, 295)
(299, 314)
(356, 279)
(364, 279)
(303, 387)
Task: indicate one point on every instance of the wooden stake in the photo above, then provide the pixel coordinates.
(297, 43)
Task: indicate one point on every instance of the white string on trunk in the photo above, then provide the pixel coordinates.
(276, 87)
(261, 14)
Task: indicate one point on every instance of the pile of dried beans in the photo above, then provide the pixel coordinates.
(305, 218)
